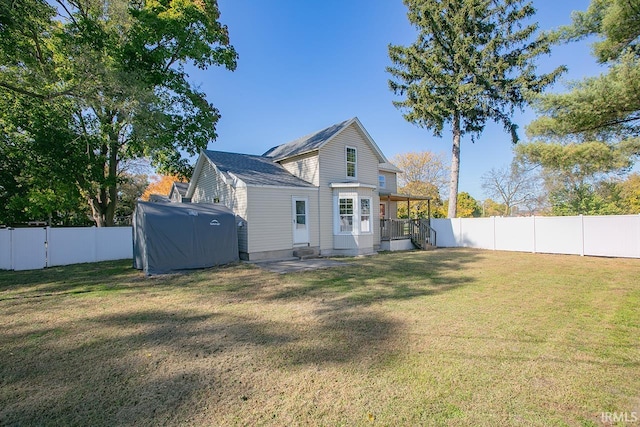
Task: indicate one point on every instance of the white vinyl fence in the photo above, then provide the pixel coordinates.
(33, 248)
(613, 235)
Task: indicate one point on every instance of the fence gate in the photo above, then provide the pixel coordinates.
(29, 248)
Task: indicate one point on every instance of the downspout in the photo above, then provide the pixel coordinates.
(320, 211)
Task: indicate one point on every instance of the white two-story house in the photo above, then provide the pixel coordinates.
(324, 193)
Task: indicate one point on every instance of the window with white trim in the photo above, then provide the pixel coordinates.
(365, 215)
(352, 160)
(345, 212)
(382, 181)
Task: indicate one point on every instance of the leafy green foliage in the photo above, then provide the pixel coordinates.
(473, 61)
(423, 174)
(468, 207)
(492, 208)
(110, 76)
(630, 194)
(421, 208)
(581, 160)
(130, 189)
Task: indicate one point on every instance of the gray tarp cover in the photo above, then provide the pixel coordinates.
(178, 236)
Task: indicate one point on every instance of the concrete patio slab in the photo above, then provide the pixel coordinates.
(295, 264)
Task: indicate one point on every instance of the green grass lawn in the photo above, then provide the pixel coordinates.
(449, 337)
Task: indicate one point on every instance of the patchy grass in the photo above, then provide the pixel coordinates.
(449, 337)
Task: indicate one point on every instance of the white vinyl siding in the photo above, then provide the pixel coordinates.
(270, 218)
(331, 162)
(210, 187)
(391, 181)
(304, 167)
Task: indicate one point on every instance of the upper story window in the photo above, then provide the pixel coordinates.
(382, 181)
(351, 162)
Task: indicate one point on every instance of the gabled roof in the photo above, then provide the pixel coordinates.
(254, 170)
(180, 187)
(317, 140)
(389, 167)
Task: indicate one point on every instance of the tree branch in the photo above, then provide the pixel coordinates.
(44, 97)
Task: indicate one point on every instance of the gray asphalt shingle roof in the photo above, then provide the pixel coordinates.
(305, 144)
(181, 187)
(255, 170)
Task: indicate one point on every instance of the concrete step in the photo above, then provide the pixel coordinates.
(305, 253)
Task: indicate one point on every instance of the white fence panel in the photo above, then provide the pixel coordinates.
(477, 232)
(617, 236)
(34, 248)
(559, 235)
(29, 249)
(5, 249)
(114, 243)
(447, 232)
(71, 246)
(514, 234)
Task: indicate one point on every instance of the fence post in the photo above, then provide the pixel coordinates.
(94, 247)
(582, 235)
(47, 247)
(494, 233)
(533, 226)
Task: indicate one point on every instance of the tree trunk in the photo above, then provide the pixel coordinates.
(97, 212)
(455, 168)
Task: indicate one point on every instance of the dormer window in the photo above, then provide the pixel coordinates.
(351, 160)
(382, 181)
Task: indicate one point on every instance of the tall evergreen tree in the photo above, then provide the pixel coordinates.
(598, 113)
(473, 61)
(592, 131)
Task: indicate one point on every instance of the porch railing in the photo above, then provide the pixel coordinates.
(418, 230)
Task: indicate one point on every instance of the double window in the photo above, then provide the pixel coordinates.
(354, 215)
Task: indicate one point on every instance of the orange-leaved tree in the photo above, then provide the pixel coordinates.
(160, 184)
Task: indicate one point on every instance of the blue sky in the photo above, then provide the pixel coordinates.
(306, 65)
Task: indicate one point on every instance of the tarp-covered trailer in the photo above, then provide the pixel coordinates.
(178, 236)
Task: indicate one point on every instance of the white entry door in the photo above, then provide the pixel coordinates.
(300, 220)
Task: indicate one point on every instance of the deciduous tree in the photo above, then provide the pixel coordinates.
(424, 167)
(112, 73)
(160, 184)
(513, 186)
(468, 207)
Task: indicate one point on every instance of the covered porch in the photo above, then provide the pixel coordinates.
(404, 234)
